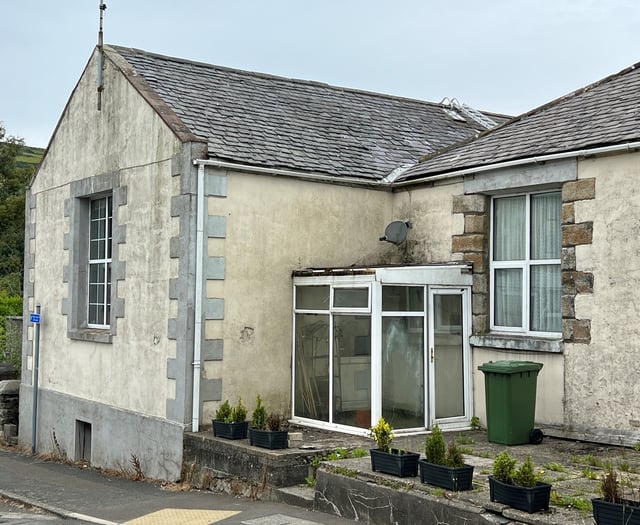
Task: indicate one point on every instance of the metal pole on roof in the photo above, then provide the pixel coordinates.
(103, 7)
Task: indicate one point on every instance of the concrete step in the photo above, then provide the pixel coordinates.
(297, 495)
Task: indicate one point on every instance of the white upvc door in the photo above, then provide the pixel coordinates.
(449, 356)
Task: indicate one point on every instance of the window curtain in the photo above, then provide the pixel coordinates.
(545, 293)
(508, 297)
(509, 229)
(545, 309)
(509, 236)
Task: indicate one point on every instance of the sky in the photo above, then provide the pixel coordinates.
(503, 56)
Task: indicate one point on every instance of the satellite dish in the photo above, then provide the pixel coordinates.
(396, 231)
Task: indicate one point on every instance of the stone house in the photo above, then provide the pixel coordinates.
(552, 216)
(197, 233)
(172, 207)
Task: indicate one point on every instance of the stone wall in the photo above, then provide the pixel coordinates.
(473, 244)
(9, 401)
(575, 282)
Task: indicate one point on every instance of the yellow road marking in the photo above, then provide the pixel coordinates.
(183, 517)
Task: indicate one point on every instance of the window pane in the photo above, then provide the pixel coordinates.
(107, 313)
(403, 371)
(509, 229)
(312, 366)
(95, 293)
(312, 297)
(351, 297)
(96, 314)
(94, 229)
(508, 297)
(96, 250)
(546, 298)
(97, 208)
(352, 370)
(403, 298)
(449, 356)
(93, 314)
(99, 285)
(545, 226)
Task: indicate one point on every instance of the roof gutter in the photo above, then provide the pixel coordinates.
(304, 175)
(519, 162)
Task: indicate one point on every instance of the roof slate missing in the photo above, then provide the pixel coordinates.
(605, 113)
(263, 120)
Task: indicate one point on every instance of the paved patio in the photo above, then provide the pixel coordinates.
(572, 467)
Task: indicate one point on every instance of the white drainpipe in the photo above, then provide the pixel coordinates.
(197, 328)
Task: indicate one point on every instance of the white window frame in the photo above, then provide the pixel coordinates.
(104, 262)
(456, 276)
(524, 265)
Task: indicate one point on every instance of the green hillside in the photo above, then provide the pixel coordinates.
(29, 156)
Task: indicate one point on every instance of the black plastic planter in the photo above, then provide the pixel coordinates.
(529, 499)
(450, 478)
(271, 439)
(230, 430)
(403, 465)
(607, 513)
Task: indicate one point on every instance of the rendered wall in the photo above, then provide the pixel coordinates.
(550, 383)
(128, 143)
(602, 387)
(275, 225)
(430, 209)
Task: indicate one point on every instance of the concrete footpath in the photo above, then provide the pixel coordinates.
(89, 496)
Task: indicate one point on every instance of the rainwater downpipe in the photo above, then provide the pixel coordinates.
(197, 329)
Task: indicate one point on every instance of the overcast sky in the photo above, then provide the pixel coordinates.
(505, 56)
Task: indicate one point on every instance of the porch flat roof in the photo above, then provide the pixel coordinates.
(372, 269)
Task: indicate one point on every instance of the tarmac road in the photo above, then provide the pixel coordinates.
(15, 513)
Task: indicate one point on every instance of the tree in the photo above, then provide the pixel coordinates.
(13, 182)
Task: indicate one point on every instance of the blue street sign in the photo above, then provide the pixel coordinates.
(34, 318)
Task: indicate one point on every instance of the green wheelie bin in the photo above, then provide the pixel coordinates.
(510, 394)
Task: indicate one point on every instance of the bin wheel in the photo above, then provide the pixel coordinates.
(535, 436)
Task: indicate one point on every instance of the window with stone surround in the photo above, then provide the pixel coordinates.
(99, 262)
(525, 263)
(94, 268)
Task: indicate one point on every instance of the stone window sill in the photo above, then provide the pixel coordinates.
(519, 342)
(93, 335)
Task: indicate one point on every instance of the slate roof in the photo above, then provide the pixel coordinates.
(605, 113)
(264, 120)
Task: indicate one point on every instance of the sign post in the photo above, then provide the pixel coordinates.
(35, 319)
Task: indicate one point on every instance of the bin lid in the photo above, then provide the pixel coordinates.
(510, 367)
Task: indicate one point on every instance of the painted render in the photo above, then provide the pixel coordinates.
(601, 381)
(275, 225)
(120, 388)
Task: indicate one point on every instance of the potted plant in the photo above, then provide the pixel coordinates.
(443, 465)
(390, 460)
(612, 508)
(231, 423)
(267, 431)
(519, 487)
